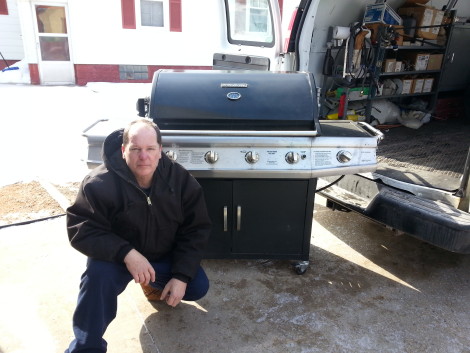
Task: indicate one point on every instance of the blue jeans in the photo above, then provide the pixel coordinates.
(100, 285)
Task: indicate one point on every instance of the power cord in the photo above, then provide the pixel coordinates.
(330, 184)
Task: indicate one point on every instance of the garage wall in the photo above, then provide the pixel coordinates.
(11, 45)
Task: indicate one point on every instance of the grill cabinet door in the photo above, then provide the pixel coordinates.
(269, 217)
(259, 218)
(218, 196)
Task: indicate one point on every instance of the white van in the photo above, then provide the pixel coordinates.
(421, 184)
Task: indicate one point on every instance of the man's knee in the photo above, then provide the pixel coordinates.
(98, 270)
(198, 287)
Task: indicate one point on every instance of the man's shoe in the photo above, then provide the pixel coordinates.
(152, 294)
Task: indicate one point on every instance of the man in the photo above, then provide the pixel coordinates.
(137, 216)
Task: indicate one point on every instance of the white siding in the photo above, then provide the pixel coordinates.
(97, 35)
(11, 44)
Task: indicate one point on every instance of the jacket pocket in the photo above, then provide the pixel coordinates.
(160, 241)
(122, 227)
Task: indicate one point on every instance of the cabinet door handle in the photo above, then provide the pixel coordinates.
(225, 219)
(239, 217)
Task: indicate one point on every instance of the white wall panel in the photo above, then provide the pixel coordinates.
(11, 43)
(98, 37)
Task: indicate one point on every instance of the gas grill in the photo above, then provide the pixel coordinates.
(254, 142)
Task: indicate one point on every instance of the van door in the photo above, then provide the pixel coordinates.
(252, 36)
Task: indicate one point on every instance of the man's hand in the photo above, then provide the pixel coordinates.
(139, 267)
(174, 292)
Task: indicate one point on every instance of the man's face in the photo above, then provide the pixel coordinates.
(142, 153)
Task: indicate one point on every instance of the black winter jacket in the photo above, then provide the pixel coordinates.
(112, 215)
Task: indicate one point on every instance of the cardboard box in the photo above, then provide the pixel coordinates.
(417, 61)
(437, 21)
(427, 85)
(435, 61)
(398, 66)
(381, 13)
(421, 62)
(425, 16)
(412, 3)
(389, 65)
(407, 84)
(417, 85)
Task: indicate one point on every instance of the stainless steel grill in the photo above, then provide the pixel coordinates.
(248, 124)
(252, 136)
(254, 125)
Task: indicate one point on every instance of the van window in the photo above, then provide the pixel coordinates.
(250, 22)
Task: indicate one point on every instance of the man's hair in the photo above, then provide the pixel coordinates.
(149, 123)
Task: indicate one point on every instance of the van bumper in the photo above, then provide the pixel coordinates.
(434, 222)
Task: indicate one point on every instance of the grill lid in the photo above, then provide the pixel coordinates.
(233, 100)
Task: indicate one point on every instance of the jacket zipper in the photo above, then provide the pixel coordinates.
(149, 215)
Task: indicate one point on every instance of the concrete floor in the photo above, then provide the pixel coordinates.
(366, 290)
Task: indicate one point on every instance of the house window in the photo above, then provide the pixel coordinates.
(258, 16)
(133, 72)
(152, 13)
(3, 7)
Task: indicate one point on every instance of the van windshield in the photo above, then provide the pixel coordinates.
(250, 22)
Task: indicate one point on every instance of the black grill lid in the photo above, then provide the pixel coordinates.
(233, 100)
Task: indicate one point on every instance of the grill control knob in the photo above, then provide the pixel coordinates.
(211, 157)
(292, 157)
(172, 155)
(252, 157)
(343, 156)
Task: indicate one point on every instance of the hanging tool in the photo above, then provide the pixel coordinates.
(328, 63)
(8, 67)
(342, 106)
(354, 47)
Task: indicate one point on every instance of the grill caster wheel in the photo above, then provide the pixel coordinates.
(301, 267)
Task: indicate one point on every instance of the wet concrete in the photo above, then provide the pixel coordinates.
(366, 290)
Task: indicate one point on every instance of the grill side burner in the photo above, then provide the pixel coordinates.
(254, 142)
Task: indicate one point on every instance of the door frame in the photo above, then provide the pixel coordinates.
(44, 67)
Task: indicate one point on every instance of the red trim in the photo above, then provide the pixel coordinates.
(85, 73)
(281, 5)
(9, 62)
(96, 73)
(289, 30)
(128, 14)
(176, 22)
(3, 7)
(34, 74)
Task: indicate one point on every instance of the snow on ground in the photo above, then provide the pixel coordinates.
(42, 126)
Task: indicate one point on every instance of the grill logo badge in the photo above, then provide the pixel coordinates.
(233, 96)
(234, 85)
